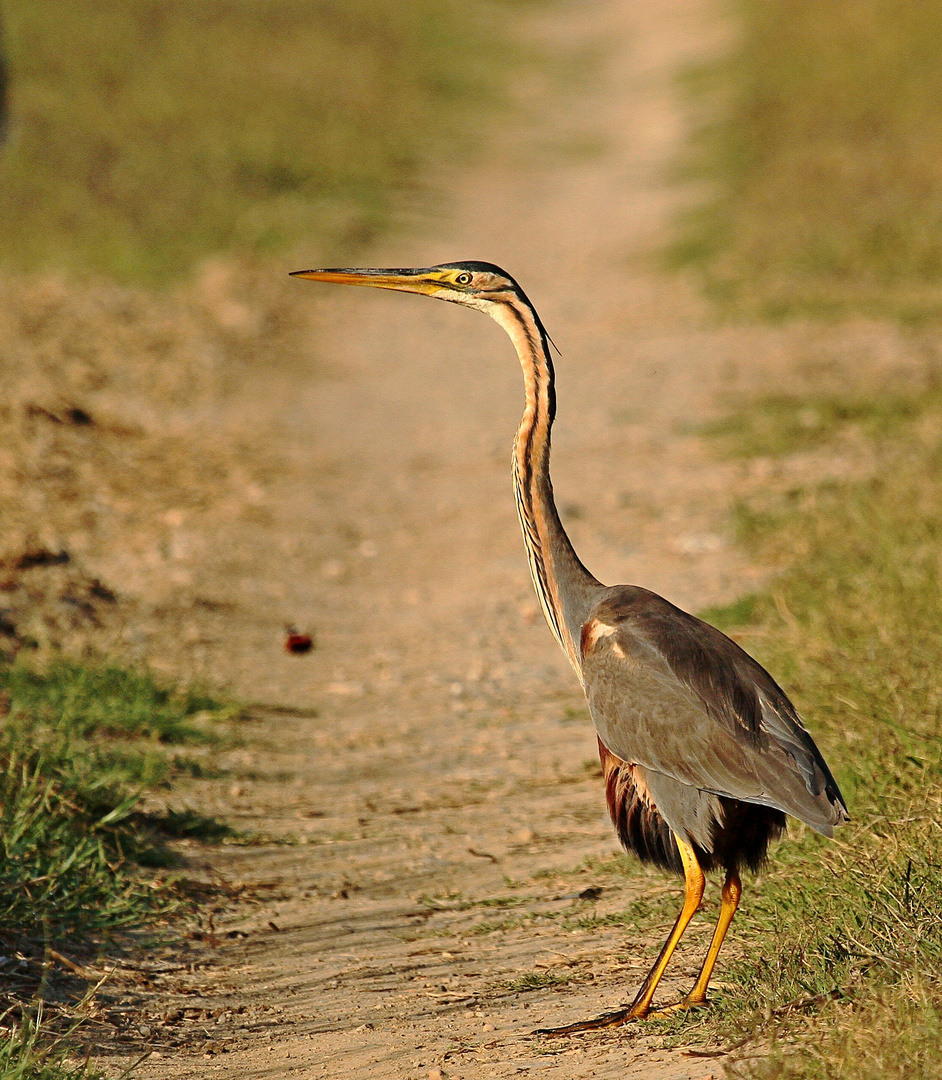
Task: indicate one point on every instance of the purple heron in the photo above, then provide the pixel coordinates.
(702, 752)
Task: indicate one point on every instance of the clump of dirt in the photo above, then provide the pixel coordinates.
(47, 603)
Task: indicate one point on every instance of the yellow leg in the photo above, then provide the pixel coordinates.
(732, 890)
(694, 883)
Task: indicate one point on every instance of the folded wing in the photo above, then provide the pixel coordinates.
(671, 693)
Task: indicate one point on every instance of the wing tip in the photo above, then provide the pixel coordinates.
(838, 816)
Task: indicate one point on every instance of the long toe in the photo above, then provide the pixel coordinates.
(606, 1020)
(679, 1006)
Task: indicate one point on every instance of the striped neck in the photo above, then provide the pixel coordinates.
(563, 585)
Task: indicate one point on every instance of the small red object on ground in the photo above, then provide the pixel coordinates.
(298, 643)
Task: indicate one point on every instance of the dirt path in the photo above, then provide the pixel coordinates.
(432, 761)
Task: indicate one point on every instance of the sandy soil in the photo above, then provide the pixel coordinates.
(339, 460)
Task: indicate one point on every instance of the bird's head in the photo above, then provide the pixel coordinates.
(474, 284)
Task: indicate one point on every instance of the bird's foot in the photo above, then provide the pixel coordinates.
(679, 1006)
(624, 1016)
(606, 1020)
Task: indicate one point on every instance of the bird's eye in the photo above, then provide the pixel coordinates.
(463, 278)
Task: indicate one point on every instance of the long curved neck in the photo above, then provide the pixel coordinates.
(565, 588)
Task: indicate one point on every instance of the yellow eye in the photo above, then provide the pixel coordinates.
(463, 278)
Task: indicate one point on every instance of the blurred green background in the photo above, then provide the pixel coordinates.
(147, 134)
(823, 150)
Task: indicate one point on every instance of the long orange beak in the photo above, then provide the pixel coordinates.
(426, 281)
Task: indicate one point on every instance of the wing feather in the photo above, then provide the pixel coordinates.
(674, 694)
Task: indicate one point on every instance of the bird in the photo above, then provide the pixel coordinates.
(703, 755)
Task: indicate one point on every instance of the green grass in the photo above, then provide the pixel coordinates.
(27, 1054)
(146, 136)
(78, 748)
(844, 937)
(826, 161)
(781, 424)
(862, 1047)
(81, 865)
(108, 700)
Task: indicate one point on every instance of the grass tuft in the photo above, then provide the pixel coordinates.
(79, 746)
(888, 1038)
(77, 752)
(25, 1054)
(108, 701)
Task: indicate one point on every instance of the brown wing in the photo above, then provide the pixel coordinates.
(674, 694)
